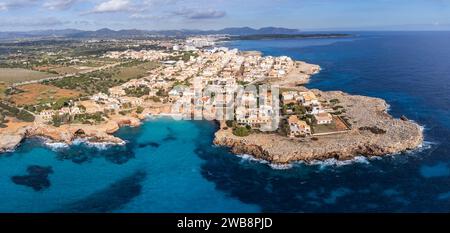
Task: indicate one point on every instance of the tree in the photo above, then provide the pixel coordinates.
(56, 120)
(62, 102)
(241, 132)
(25, 116)
(139, 109)
(137, 91)
(82, 107)
(299, 110)
(229, 123)
(161, 93)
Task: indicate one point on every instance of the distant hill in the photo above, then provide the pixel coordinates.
(289, 36)
(106, 33)
(38, 33)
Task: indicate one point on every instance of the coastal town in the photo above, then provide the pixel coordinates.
(251, 96)
(178, 109)
(221, 71)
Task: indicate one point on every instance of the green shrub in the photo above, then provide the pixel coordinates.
(373, 129)
(161, 93)
(229, 123)
(25, 116)
(137, 91)
(241, 132)
(124, 112)
(139, 109)
(334, 101)
(155, 99)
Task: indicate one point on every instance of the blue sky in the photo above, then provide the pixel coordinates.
(20, 15)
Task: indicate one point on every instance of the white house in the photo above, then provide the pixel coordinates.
(298, 127)
(323, 118)
(47, 115)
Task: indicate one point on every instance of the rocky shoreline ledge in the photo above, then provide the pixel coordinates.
(16, 131)
(66, 134)
(373, 133)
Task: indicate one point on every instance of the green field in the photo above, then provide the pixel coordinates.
(132, 70)
(16, 75)
(101, 81)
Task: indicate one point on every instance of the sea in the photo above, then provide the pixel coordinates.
(172, 166)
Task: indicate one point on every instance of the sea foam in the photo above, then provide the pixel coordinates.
(56, 145)
(98, 145)
(247, 157)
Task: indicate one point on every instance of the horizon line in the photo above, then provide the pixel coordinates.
(391, 28)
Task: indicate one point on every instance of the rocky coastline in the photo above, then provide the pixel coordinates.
(373, 131)
(102, 133)
(394, 136)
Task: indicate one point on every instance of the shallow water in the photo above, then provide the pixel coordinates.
(171, 166)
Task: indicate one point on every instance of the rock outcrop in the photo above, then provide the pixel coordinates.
(12, 135)
(68, 133)
(16, 131)
(10, 141)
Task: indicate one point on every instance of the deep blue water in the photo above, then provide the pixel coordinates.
(171, 166)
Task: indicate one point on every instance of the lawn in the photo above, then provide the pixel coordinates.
(336, 126)
(40, 94)
(16, 75)
(318, 129)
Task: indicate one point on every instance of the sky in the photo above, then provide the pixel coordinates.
(24, 15)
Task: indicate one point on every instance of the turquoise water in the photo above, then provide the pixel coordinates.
(158, 171)
(171, 166)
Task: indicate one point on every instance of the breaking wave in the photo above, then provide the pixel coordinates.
(247, 157)
(98, 145)
(322, 164)
(338, 163)
(56, 145)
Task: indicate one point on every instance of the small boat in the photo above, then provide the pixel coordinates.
(404, 118)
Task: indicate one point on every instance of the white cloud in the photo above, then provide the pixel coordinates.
(3, 6)
(6, 5)
(112, 6)
(200, 13)
(148, 16)
(49, 22)
(59, 4)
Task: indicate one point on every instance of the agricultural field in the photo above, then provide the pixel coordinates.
(16, 75)
(132, 70)
(101, 81)
(38, 94)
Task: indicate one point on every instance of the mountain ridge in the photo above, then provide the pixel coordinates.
(104, 33)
